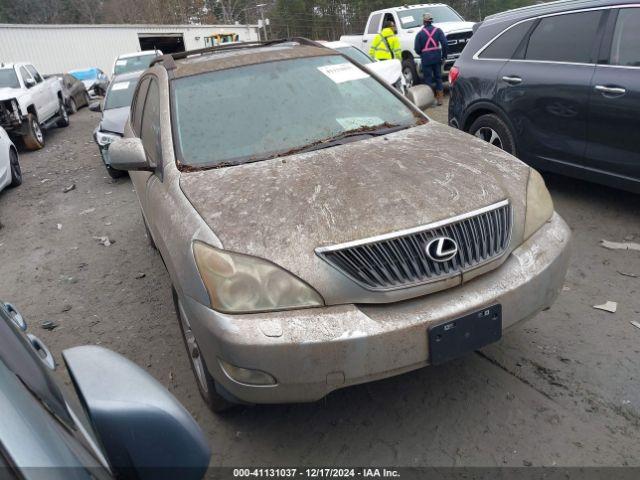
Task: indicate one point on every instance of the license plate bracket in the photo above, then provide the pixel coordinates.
(466, 334)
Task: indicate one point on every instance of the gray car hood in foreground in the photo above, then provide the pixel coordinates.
(282, 209)
(114, 119)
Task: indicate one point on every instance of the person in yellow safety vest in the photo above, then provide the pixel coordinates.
(386, 45)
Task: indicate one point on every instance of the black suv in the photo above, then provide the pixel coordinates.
(558, 85)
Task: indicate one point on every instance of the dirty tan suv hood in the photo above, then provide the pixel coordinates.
(282, 209)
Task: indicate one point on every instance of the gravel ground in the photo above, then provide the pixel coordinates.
(560, 389)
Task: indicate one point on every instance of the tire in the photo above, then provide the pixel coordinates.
(87, 98)
(34, 138)
(115, 174)
(206, 383)
(410, 73)
(14, 165)
(73, 107)
(63, 116)
(492, 129)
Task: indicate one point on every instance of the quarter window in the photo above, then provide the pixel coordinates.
(505, 45)
(564, 38)
(626, 38)
(150, 129)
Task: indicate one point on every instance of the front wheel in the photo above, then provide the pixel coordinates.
(73, 107)
(492, 129)
(63, 116)
(115, 174)
(34, 138)
(410, 73)
(16, 172)
(206, 383)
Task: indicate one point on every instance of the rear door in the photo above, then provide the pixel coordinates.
(43, 95)
(614, 112)
(545, 87)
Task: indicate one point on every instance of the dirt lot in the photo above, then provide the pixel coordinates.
(561, 389)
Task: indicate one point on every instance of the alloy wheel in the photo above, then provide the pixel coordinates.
(408, 76)
(37, 131)
(16, 172)
(489, 135)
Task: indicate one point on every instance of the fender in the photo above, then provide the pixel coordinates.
(489, 106)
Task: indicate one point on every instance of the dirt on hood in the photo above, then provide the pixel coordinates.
(282, 209)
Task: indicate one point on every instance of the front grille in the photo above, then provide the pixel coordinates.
(457, 41)
(399, 260)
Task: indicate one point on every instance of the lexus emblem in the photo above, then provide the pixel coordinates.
(441, 249)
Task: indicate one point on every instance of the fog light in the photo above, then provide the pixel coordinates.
(246, 376)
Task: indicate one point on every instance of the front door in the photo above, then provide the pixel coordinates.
(545, 88)
(614, 113)
(373, 28)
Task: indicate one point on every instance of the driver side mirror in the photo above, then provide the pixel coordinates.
(145, 433)
(128, 154)
(30, 82)
(95, 107)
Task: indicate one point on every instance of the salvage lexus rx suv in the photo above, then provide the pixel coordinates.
(558, 85)
(317, 239)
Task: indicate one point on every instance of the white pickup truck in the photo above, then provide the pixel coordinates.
(408, 19)
(29, 103)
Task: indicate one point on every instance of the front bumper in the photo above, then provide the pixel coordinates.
(312, 352)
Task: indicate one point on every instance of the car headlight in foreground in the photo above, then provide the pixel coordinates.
(104, 139)
(240, 283)
(539, 204)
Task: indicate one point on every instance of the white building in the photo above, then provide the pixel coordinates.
(60, 48)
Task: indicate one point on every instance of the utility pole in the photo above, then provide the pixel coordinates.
(264, 25)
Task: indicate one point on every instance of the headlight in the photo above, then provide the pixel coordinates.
(243, 284)
(104, 139)
(539, 204)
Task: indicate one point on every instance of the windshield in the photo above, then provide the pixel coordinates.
(355, 54)
(412, 18)
(8, 78)
(89, 74)
(261, 111)
(120, 94)
(133, 64)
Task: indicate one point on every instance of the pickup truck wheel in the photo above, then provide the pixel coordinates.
(73, 107)
(206, 383)
(410, 73)
(16, 172)
(63, 116)
(34, 138)
(492, 129)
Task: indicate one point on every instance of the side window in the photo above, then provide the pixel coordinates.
(150, 128)
(626, 39)
(388, 17)
(564, 38)
(34, 73)
(503, 47)
(374, 24)
(25, 75)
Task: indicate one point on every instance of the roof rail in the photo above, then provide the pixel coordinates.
(168, 60)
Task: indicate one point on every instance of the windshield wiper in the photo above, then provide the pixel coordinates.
(369, 131)
(374, 131)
